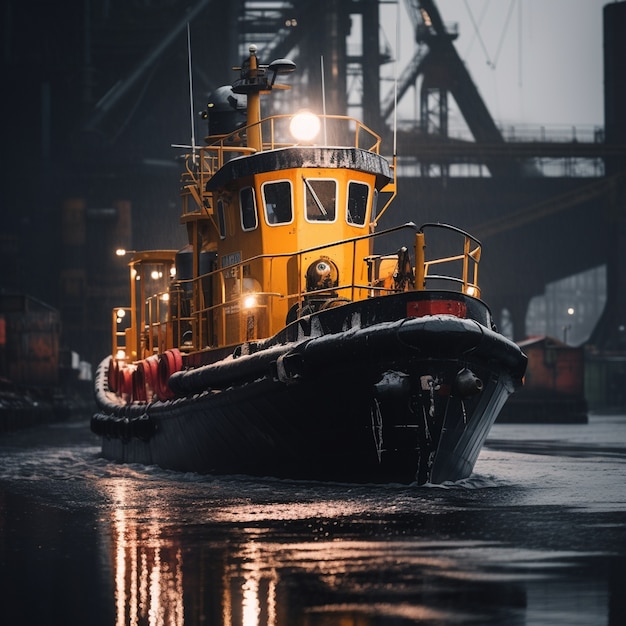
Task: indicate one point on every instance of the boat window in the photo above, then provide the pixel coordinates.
(248, 209)
(321, 197)
(155, 278)
(357, 203)
(221, 220)
(278, 204)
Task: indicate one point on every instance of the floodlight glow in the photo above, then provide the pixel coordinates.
(304, 126)
(249, 302)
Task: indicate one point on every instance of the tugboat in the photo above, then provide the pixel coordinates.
(280, 341)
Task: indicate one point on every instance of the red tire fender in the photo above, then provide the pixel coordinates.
(113, 374)
(169, 362)
(125, 388)
(138, 382)
(149, 369)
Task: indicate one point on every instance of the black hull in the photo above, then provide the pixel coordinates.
(376, 404)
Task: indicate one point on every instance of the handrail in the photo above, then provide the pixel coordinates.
(117, 334)
(165, 324)
(201, 166)
(236, 270)
(470, 258)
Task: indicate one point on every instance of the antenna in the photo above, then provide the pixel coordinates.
(193, 131)
(323, 98)
(395, 83)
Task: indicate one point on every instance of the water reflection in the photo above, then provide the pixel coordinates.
(240, 574)
(148, 568)
(149, 579)
(249, 596)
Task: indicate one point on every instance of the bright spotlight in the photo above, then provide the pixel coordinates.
(304, 126)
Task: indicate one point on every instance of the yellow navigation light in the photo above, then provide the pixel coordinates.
(304, 126)
(250, 301)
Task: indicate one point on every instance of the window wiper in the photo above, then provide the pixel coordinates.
(318, 202)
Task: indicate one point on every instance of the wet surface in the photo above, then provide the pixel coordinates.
(536, 536)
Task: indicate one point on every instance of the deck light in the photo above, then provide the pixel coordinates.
(249, 302)
(124, 252)
(304, 126)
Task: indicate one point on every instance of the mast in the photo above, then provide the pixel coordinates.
(254, 82)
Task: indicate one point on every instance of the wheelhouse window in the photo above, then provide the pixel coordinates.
(221, 219)
(277, 199)
(320, 199)
(247, 205)
(358, 194)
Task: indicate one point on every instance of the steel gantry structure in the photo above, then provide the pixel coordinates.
(113, 96)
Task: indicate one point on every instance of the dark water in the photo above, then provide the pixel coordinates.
(536, 536)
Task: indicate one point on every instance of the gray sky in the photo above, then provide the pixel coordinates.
(535, 62)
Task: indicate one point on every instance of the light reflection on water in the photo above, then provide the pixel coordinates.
(148, 571)
(537, 536)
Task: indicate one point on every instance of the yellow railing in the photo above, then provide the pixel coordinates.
(120, 325)
(210, 321)
(181, 318)
(467, 278)
(201, 166)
